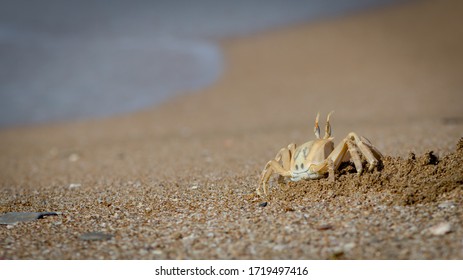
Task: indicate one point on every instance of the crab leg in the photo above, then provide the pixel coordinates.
(273, 166)
(335, 157)
(352, 144)
(367, 150)
(270, 168)
(375, 151)
(354, 154)
(334, 160)
(285, 155)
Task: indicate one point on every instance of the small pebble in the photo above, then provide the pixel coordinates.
(446, 204)
(440, 229)
(263, 204)
(325, 227)
(157, 252)
(74, 157)
(137, 184)
(289, 209)
(92, 236)
(16, 217)
(348, 246)
(74, 186)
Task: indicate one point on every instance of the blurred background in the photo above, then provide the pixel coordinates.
(64, 60)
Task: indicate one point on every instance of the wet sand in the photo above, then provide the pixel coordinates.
(178, 181)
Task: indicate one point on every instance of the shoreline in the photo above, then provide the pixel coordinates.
(124, 63)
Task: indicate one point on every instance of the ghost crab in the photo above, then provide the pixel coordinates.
(316, 158)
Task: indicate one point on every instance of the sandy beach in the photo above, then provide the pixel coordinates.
(177, 181)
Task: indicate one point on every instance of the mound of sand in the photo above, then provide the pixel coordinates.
(398, 181)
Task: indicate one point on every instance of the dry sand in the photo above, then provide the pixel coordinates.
(177, 181)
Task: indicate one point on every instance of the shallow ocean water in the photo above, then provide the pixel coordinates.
(63, 60)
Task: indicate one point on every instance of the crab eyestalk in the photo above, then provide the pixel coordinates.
(316, 129)
(328, 126)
